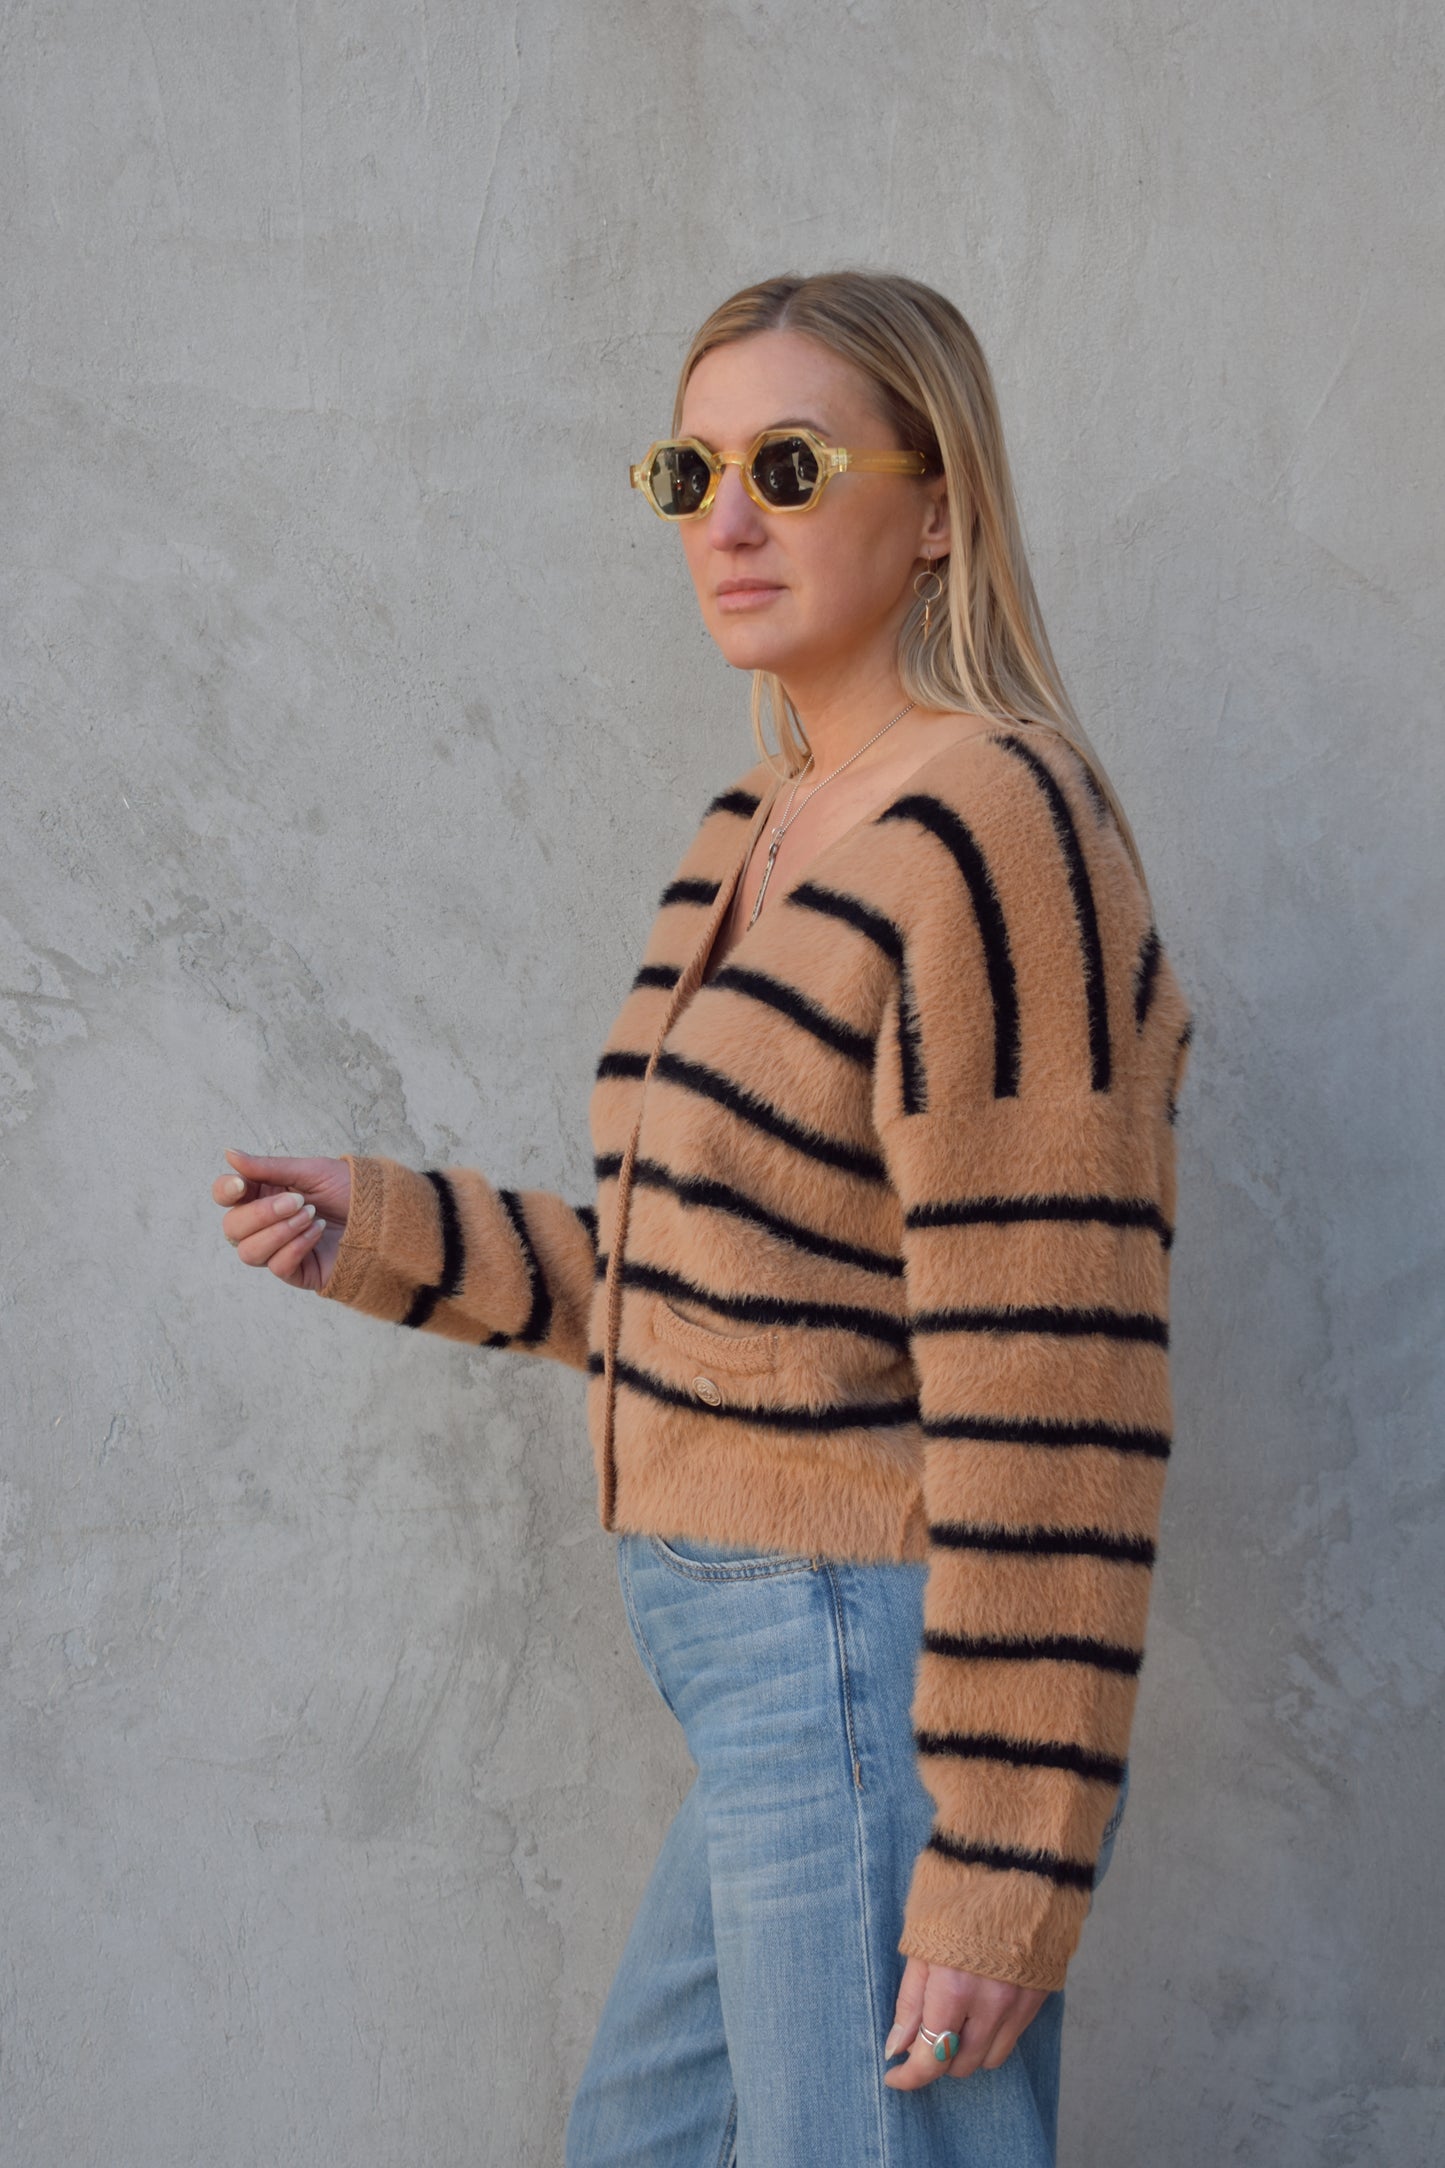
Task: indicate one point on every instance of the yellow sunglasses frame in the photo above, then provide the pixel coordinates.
(832, 459)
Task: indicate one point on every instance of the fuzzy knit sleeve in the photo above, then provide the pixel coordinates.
(445, 1251)
(1026, 1093)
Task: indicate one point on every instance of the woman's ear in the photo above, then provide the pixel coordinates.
(935, 541)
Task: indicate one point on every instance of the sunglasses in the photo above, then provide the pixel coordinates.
(783, 470)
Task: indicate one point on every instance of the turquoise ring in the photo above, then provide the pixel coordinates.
(944, 2044)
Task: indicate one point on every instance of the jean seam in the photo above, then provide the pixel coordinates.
(643, 1649)
(845, 1679)
(861, 1851)
(727, 2158)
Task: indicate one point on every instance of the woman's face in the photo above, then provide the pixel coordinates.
(804, 594)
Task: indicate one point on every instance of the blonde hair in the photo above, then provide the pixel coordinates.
(987, 652)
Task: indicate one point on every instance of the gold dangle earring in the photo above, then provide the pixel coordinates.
(930, 572)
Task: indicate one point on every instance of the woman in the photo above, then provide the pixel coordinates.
(873, 1298)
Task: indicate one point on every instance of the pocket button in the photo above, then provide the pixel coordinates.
(708, 1391)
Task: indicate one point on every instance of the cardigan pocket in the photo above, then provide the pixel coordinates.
(744, 1353)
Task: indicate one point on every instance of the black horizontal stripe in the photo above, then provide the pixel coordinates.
(832, 903)
(606, 1166)
(1007, 1858)
(701, 1193)
(621, 1062)
(1081, 888)
(693, 890)
(1022, 1753)
(658, 975)
(1043, 1542)
(1146, 974)
(775, 994)
(734, 801)
(1002, 1211)
(696, 1076)
(1034, 1648)
(842, 1415)
(539, 1316)
(425, 1300)
(886, 936)
(770, 1309)
(959, 841)
(1032, 1430)
(1109, 1324)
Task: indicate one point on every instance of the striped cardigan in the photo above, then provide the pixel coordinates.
(878, 1268)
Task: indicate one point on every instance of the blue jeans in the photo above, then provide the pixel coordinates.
(746, 2021)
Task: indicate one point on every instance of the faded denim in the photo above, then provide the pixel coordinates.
(746, 2022)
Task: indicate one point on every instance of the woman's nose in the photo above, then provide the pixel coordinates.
(732, 517)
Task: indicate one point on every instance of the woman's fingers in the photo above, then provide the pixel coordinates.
(264, 1229)
(262, 1166)
(1006, 2038)
(318, 1259)
(985, 2017)
(257, 1171)
(271, 1219)
(295, 1260)
(260, 1215)
(945, 2007)
(908, 2010)
(258, 1179)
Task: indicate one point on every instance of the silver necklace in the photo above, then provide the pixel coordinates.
(790, 816)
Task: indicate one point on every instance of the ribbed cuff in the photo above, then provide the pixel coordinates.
(361, 1237)
(949, 1924)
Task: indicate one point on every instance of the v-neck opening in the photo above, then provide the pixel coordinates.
(910, 782)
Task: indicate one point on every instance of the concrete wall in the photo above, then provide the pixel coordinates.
(354, 714)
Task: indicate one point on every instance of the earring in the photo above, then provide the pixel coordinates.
(930, 572)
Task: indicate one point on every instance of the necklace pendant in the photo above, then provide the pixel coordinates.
(790, 816)
(767, 876)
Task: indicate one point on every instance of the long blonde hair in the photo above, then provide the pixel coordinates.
(987, 653)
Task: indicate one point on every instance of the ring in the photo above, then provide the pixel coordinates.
(944, 2044)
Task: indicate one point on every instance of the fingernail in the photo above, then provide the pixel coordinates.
(319, 1224)
(233, 1185)
(894, 2041)
(291, 1202)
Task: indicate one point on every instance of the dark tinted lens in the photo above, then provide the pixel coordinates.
(679, 480)
(786, 471)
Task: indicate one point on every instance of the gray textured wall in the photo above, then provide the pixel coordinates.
(347, 744)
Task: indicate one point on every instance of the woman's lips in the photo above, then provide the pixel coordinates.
(751, 597)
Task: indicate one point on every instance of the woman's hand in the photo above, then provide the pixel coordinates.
(286, 1213)
(988, 2017)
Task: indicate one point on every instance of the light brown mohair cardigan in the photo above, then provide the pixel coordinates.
(879, 1269)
